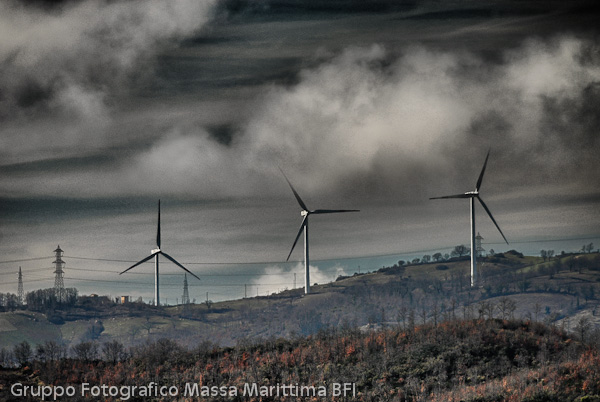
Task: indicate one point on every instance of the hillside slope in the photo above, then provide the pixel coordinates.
(563, 291)
(459, 360)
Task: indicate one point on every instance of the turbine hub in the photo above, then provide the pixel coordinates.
(304, 213)
(156, 250)
(472, 192)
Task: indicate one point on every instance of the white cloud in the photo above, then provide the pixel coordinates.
(550, 69)
(360, 115)
(371, 124)
(276, 279)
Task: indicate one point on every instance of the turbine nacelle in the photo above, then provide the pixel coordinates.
(304, 229)
(475, 194)
(472, 195)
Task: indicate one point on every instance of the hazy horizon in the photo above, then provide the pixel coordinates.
(107, 107)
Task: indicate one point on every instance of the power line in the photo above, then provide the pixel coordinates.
(549, 241)
(27, 271)
(189, 263)
(299, 261)
(163, 274)
(399, 253)
(34, 280)
(175, 285)
(26, 259)
(170, 274)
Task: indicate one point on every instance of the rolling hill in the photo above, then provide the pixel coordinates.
(563, 291)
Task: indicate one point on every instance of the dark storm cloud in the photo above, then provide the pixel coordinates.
(63, 66)
(292, 6)
(376, 125)
(416, 9)
(417, 112)
(61, 165)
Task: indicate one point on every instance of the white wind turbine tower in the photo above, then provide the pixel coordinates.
(472, 195)
(304, 227)
(155, 254)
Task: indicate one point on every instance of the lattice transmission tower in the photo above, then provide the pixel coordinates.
(59, 284)
(480, 251)
(20, 295)
(185, 299)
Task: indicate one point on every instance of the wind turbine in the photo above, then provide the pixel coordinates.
(304, 227)
(155, 254)
(472, 195)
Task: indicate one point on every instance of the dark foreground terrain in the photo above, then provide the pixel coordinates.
(457, 360)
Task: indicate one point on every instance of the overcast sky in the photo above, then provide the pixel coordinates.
(105, 107)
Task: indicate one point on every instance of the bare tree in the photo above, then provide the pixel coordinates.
(402, 315)
(148, 325)
(86, 351)
(490, 308)
(467, 311)
(452, 309)
(411, 319)
(435, 311)
(481, 310)
(423, 314)
(23, 353)
(6, 358)
(113, 351)
(460, 250)
(132, 332)
(555, 267)
(570, 263)
(506, 307)
(584, 324)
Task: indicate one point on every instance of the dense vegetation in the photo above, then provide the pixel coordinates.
(458, 360)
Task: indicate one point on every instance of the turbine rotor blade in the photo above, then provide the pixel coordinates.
(297, 236)
(158, 228)
(332, 211)
(493, 220)
(302, 204)
(482, 171)
(178, 264)
(139, 262)
(465, 195)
